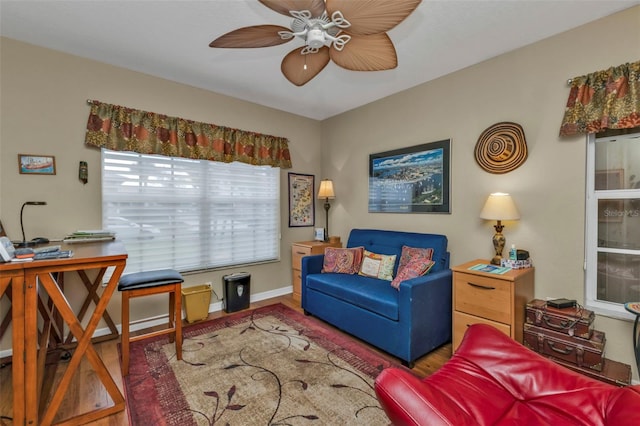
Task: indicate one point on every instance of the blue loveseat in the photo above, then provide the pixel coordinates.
(406, 323)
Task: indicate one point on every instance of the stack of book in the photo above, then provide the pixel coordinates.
(89, 236)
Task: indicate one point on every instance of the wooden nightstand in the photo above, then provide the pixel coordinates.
(495, 299)
(305, 248)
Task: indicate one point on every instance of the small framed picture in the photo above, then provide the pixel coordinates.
(319, 234)
(36, 164)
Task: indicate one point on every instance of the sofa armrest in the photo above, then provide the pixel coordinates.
(426, 302)
(623, 407)
(408, 401)
(310, 265)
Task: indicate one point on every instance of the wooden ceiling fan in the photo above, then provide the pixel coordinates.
(351, 33)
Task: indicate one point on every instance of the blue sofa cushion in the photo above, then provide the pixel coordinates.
(368, 293)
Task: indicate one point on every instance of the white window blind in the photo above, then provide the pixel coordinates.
(190, 214)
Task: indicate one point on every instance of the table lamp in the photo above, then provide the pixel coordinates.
(24, 242)
(326, 192)
(499, 206)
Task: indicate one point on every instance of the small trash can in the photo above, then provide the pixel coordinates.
(196, 302)
(236, 290)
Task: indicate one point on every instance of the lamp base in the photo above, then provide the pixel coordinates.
(23, 244)
(498, 245)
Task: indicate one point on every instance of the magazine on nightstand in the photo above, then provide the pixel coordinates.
(491, 269)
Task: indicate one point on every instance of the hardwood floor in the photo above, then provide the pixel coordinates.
(86, 392)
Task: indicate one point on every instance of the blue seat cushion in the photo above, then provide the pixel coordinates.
(147, 279)
(367, 293)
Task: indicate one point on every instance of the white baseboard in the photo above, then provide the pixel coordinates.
(162, 319)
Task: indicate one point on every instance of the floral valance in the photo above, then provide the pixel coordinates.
(602, 100)
(125, 129)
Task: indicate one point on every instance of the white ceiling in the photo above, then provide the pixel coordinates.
(170, 39)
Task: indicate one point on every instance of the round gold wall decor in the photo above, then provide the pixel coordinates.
(501, 148)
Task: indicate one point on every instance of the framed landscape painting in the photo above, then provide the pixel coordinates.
(301, 200)
(416, 179)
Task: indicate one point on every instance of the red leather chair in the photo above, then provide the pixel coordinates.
(493, 380)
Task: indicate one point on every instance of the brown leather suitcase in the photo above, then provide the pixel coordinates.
(613, 372)
(574, 321)
(587, 353)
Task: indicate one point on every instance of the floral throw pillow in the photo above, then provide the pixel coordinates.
(415, 267)
(377, 265)
(342, 260)
(408, 253)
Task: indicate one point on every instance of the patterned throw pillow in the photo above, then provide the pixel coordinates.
(377, 265)
(415, 267)
(408, 253)
(342, 260)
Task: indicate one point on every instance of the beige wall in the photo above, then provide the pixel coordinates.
(43, 111)
(529, 87)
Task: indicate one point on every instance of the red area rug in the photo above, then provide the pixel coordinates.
(269, 366)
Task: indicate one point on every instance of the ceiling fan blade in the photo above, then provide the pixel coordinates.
(367, 53)
(256, 36)
(372, 16)
(316, 7)
(293, 65)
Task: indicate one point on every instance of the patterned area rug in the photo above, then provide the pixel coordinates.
(269, 366)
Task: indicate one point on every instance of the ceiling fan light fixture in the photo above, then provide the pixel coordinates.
(358, 44)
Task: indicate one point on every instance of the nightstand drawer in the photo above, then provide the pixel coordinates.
(462, 321)
(485, 297)
(297, 284)
(297, 253)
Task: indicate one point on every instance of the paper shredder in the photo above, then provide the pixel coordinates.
(236, 291)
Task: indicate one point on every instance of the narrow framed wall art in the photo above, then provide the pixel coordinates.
(301, 200)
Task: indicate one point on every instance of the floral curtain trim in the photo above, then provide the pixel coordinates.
(124, 129)
(603, 100)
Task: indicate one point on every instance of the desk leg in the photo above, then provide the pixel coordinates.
(84, 346)
(13, 283)
(29, 346)
(92, 296)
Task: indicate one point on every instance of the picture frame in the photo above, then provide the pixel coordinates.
(416, 179)
(319, 234)
(29, 164)
(301, 200)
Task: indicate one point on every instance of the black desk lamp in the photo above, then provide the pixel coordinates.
(24, 242)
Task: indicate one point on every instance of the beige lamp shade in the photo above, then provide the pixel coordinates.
(326, 189)
(500, 206)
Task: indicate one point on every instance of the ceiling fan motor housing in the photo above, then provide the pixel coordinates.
(315, 38)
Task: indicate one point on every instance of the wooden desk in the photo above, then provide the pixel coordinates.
(27, 375)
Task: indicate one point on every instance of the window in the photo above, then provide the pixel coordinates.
(613, 223)
(190, 214)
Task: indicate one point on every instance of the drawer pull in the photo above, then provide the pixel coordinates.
(483, 287)
(566, 351)
(301, 252)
